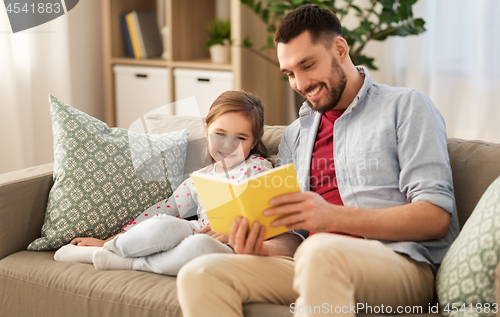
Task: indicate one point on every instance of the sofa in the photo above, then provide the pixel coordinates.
(33, 284)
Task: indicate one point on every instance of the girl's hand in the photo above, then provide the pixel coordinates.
(224, 238)
(88, 242)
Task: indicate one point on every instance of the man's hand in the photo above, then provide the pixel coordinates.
(253, 243)
(88, 242)
(224, 238)
(306, 210)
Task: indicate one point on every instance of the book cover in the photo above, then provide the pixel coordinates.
(133, 35)
(148, 34)
(224, 200)
(126, 36)
(138, 33)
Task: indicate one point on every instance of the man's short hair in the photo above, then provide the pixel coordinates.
(321, 23)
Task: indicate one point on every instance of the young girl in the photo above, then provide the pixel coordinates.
(163, 243)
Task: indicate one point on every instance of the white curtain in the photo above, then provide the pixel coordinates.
(456, 62)
(62, 57)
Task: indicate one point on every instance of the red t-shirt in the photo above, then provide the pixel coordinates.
(323, 178)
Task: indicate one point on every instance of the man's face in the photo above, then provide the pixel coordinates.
(313, 71)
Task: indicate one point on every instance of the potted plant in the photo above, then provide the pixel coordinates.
(377, 20)
(219, 41)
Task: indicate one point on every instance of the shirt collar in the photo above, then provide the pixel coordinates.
(367, 84)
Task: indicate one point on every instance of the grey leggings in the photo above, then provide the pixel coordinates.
(163, 244)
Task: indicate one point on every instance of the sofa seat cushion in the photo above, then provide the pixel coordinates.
(37, 285)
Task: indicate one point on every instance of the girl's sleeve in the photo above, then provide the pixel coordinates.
(258, 164)
(177, 205)
(182, 200)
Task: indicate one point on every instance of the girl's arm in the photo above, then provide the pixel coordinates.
(169, 206)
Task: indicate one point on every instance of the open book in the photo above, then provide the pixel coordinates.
(224, 200)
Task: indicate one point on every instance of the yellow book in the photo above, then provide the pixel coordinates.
(133, 34)
(224, 200)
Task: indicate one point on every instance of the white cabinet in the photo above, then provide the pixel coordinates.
(139, 90)
(204, 85)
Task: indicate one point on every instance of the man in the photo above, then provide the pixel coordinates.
(372, 162)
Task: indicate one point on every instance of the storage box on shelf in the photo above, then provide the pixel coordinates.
(205, 85)
(139, 89)
(186, 21)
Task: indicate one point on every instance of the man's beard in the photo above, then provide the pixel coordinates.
(333, 91)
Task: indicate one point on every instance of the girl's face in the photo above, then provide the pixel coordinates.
(230, 139)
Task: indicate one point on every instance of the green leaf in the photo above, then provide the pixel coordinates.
(247, 42)
(278, 8)
(367, 61)
(387, 16)
(387, 4)
(214, 41)
(356, 35)
(405, 10)
(395, 18)
(270, 41)
(347, 35)
(374, 12)
(366, 26)
(319, 3)
(341, 12)
(256, 8)
(419, 25)
(218, 31)
(264, 15)
(355, 7)
(269, 45)
(219, 28)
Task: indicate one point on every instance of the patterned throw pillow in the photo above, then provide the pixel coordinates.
(466, 278)
(104, 176)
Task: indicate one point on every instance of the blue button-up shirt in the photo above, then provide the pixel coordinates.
(389, 150)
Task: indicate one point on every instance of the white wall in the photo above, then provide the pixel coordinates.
(61, 57)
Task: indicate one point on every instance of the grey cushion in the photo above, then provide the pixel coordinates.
(467, 273)
(104, 176)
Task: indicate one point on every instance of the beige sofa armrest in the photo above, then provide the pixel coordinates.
(23, 200)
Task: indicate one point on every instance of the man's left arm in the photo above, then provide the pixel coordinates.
(425, 172)
(425, 179)
(417, 221)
